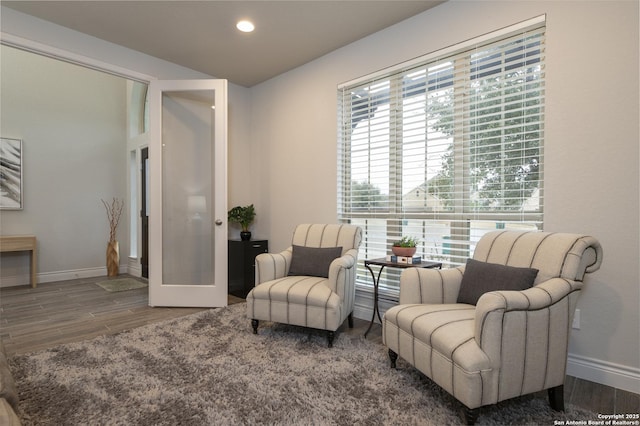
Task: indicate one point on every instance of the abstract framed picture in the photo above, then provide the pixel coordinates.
(10, 174)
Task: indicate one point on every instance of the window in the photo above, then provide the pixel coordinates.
(445, 148)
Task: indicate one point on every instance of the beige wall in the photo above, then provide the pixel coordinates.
(72, 123)
(591, 146)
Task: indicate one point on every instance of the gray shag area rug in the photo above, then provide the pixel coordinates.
(121, 284)
(209, 369)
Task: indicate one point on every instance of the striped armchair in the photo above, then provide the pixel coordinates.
(510, 343)
(312, 298)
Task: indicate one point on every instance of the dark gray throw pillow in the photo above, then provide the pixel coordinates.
(313, 261)
(482, 277)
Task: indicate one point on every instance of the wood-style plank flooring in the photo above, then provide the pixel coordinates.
(67, 311)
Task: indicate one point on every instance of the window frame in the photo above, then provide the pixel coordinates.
(461, 215)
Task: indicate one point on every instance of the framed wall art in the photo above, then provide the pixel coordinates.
(11, 195)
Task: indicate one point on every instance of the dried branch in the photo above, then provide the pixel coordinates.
(114, 211)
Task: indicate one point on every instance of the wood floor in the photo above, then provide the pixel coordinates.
(66, 311)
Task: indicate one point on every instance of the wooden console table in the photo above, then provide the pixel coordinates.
(22, 243)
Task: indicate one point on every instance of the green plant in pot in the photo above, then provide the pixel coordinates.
(406, 246)
(244, 217)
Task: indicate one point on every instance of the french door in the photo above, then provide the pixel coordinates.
(188, 200)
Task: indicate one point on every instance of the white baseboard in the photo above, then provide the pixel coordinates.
(362, 313)
(594, 370)
(362, 308)
(133, 267)
(15, 280)
(604, 372)
(48, 277)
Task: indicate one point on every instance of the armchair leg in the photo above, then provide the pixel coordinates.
(254, 324)
(393, 357)
(350, 319)
(470, 415)
(330, 336)
(556, 398)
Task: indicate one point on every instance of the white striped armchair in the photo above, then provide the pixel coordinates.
(310, 284)
(511, 342)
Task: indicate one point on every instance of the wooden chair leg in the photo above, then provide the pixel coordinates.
(350, 319)
(254, 324)
(556, 398)
(393, 357)
(470, 415)
(330, 337)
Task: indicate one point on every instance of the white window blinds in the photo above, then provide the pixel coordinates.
(445, 148)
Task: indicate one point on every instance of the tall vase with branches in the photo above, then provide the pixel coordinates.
(114, 212)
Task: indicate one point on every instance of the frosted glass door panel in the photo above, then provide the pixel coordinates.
(187, 191)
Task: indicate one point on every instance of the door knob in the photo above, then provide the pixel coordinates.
(218, 222)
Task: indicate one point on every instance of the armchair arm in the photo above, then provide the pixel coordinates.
(271, 266)
(420, 285)
(341, 272)
(535, 322)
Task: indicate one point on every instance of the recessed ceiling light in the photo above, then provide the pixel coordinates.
(245, 26)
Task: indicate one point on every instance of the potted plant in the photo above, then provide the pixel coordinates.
(405, 246)
(243, 216)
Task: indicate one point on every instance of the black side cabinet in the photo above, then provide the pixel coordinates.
(242, 265)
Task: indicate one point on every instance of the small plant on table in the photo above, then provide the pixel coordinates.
(406, 246)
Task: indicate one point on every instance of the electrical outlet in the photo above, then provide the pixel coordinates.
(576, 320)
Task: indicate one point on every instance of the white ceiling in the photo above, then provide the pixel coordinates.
(201, 35)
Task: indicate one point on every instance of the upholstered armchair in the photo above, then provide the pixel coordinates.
(480, 331)
(310, 284)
